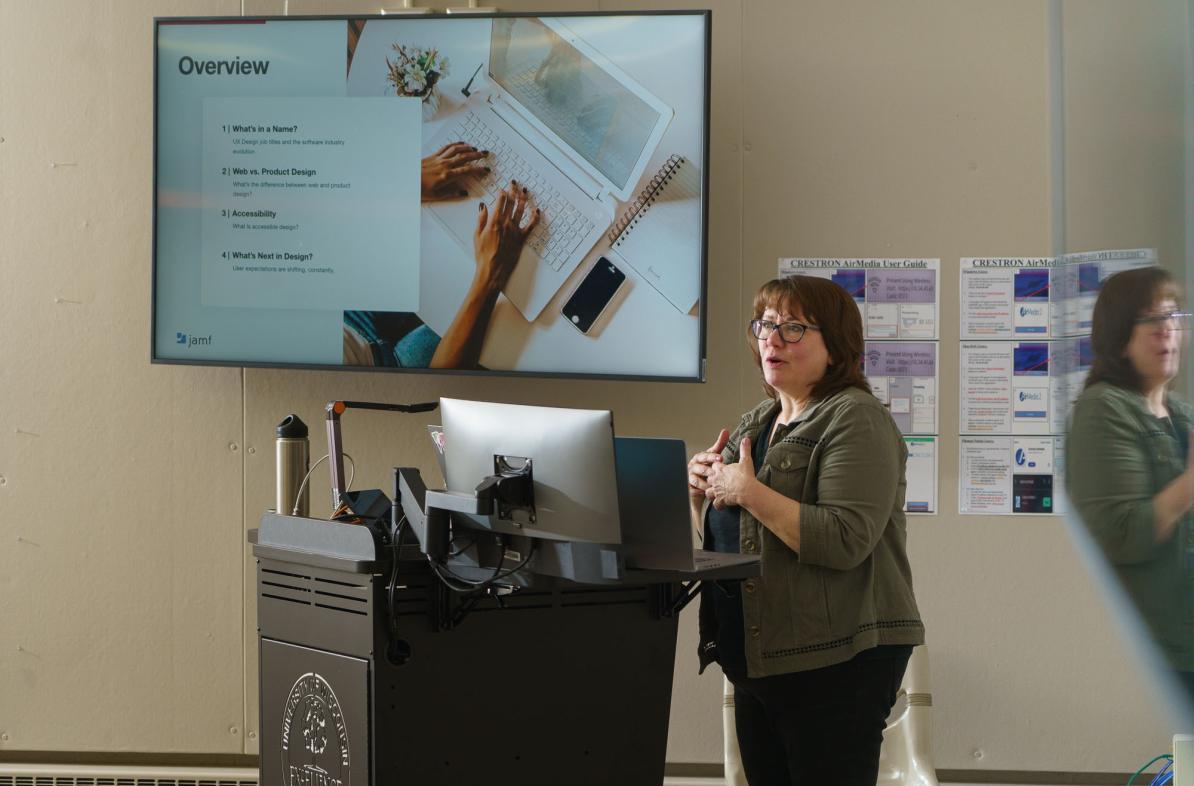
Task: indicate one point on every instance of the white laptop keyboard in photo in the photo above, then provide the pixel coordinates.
(570, 224)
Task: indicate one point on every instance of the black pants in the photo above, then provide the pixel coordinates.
(816, 727)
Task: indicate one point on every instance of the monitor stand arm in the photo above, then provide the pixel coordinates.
(510, 488)
(428, 512)
(429, 515)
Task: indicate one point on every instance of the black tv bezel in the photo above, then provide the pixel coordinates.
(702, 307)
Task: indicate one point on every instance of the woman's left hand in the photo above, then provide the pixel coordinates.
(445, 172)
(729, 484)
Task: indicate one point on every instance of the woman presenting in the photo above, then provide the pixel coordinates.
(1129, 458)
(812, 479)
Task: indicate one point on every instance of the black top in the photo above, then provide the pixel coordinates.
(721, 534)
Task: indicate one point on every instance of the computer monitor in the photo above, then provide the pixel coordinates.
(319, 184)
(572, 462)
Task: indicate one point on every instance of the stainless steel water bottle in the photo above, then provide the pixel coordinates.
(293, 456)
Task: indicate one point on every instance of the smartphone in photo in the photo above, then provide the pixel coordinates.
(593, 294)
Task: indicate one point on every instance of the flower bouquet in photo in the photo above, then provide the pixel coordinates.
(415, 72)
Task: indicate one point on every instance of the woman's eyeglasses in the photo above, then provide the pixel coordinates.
(1162, 323)
(790, 332)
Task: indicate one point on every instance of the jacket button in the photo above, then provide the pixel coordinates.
(785, 464)
(754, 631)
(748, 544)
(749, 586)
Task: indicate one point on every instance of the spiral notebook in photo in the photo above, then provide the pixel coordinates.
(659, 235)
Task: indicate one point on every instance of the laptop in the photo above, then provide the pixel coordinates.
(652, 479)
(569, 126)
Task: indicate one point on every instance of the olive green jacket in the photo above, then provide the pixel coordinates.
(1118, 456)
(850, 587)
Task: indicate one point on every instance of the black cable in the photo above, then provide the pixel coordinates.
(396, 551)
(472, 542)
(481, 584)
(519, 566)
(450, 579)
(464, 608)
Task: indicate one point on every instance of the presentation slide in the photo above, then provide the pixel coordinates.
(309, 203)
(432, 192)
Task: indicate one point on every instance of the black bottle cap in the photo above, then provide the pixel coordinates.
(292, 427)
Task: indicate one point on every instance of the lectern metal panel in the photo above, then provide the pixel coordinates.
(331, 610)
(560, 682)
(314, 717)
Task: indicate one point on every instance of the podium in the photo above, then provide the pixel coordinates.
(367, 684)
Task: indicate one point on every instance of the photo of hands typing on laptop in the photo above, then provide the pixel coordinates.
(561, 193)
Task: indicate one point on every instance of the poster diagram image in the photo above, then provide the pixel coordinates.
(903, 375)
(1030, 308)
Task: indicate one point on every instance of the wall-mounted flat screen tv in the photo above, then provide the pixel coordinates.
(505, 193)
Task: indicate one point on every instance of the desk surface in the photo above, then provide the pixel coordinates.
(351, 547)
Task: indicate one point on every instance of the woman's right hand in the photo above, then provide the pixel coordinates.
(500, 235)
(698, 467)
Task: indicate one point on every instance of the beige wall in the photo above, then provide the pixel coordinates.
(839, 128)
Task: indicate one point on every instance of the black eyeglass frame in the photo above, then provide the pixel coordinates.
(757, 326)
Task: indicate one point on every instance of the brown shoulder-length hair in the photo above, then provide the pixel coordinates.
(826, 305)
(1123, 298)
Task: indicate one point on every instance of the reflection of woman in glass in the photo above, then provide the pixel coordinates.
(1129, 464)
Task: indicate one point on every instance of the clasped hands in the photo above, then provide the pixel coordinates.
(726, 485)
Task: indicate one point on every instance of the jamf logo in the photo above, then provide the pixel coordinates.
(192, 341)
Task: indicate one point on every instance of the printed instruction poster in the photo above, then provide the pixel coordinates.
(898, 298)
(1007, 298)
(921, 493)
(1011, 475)
(1024, 355)
(1077, 282)
(1007, 387)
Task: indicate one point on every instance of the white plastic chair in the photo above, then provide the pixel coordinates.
(906, 758)
(734, 774)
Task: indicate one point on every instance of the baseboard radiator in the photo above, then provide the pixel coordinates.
(13, 774)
